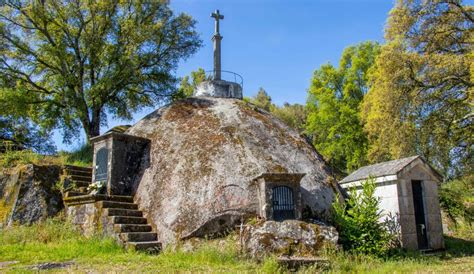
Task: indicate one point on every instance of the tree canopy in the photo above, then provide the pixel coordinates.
(75, 62)
(420, 100)
(333, 108)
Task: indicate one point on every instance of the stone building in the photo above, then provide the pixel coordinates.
(408, 189)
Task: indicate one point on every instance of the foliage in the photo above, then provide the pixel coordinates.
(457, 200)
(420, 100)
(333, 107)
(18, 133)
(79, 157)
(75, 62)
(358, 223)
(293, 115)
(186, 89)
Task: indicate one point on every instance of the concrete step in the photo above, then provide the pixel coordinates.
(152, 247)
(121, 205)
(124, 228)
(138, 237)
(128, 220)
(123, 212)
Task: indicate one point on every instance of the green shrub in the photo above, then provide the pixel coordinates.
(79, 157)
(358, 223)
(457, 199)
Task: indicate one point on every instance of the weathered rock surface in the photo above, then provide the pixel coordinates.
(204, 154)
(288, 238)
(29, 194)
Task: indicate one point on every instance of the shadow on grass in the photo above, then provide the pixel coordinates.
(457, 247)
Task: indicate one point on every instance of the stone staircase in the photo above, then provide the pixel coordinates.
(77, 179)
(124, 219)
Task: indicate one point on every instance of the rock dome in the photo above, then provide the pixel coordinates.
(205, 152)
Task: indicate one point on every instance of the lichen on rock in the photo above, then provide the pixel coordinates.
(288, 238)
(29, 194)
(204, 154)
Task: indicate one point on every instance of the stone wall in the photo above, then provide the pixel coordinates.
(29, 194)
(90, 218)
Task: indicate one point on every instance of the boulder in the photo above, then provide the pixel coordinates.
(204, 154)
(288, 238)
(29, 194)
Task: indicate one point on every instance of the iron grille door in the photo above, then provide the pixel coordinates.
(101, 163)
(283, 204)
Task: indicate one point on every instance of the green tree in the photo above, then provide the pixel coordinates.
(334, 98)
(294, 115)
(263, 100)
(420, 101)
(186, 88)
(75, 62)
(357, 221)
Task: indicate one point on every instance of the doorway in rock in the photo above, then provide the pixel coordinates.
(101, 163)
(420, 220)
(283, 203)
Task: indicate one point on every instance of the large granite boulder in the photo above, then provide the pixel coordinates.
(288, 238)
(205, 152)
(29, 194)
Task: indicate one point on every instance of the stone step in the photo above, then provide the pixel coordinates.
(115, 198)
(152, 247)
(72, 194)
(123, 212)
(138, 237)
(76, 178)
(72, 172)
(123, 228)
(114, 204)
(128, 220)
(77, 168)
(81, 184)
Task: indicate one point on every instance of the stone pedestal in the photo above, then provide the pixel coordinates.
(219, 88)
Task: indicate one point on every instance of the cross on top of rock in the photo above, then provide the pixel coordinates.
(216, 15)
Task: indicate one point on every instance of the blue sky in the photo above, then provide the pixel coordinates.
(275, 44)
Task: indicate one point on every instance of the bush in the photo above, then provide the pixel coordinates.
(358, 224)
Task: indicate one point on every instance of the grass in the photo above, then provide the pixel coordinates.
(57, 241)
(79, 157)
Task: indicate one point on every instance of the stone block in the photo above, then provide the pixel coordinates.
(410, 241)
(405, 205)
(430, 189)
(407, 223)
(434, 223)
(436, 240)
(404, 188)
(431, 205)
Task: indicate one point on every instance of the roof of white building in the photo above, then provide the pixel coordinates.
(382, 169)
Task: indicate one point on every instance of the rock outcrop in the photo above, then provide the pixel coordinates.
(29, 194)
(288, 238)
(204, 154)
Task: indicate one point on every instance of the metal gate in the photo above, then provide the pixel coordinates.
(283, 203)
(101, 163)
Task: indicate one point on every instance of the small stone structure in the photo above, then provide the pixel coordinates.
(279, 196)
(118, 159)
(408, 189)
(219, 88)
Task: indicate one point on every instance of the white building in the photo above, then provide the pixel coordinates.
(408, 188)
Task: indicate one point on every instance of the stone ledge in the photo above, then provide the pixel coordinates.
(92, 198)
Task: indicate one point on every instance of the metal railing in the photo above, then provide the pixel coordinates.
(227, 76)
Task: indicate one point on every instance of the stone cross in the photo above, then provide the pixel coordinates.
(216, 38)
